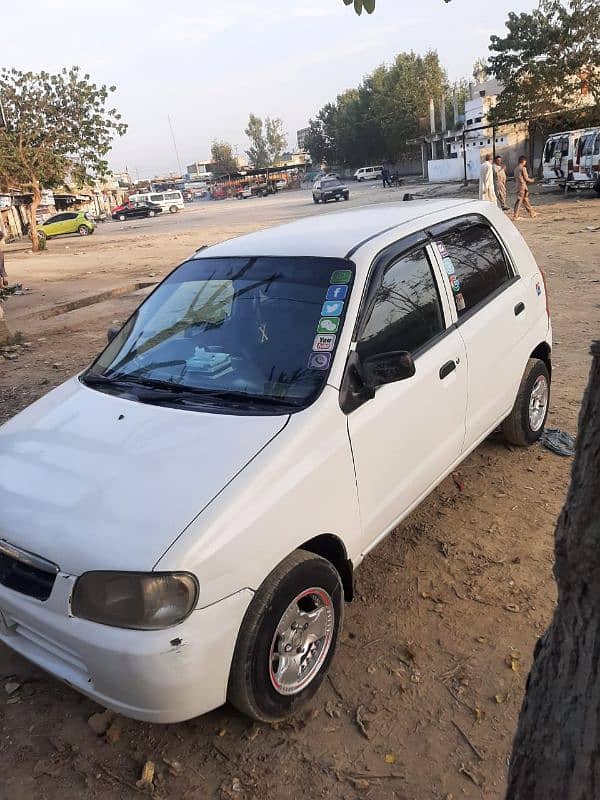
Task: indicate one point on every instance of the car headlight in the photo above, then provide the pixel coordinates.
(144, 601)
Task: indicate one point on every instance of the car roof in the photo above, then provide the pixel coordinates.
(334, 235)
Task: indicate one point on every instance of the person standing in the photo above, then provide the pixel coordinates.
(3, 275)
(522, 181)
(385, 176)
(500, 182)
(486, 181)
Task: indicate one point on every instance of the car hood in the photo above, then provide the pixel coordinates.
(93, 481)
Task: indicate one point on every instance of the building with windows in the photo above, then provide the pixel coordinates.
(301, 137)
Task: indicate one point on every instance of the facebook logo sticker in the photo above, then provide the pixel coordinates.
(333, 309)
(337, 293)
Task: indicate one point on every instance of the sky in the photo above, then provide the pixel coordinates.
(208, 64)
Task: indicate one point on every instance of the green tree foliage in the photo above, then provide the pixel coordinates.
(549, 59)
(368, 5)
(267, 140)
(58, 129)
(276, 138)
(375, 120)
(223, 157)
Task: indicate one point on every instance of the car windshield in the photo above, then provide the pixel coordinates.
(330, 183)
(255, 331)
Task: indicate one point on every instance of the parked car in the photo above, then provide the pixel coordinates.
(330, 188)
(137, 209)
(201, 495)
(368, 173)
(68, 222)
(171, 201)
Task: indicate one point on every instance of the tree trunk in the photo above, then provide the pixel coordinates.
(556, 751)
(35, 204)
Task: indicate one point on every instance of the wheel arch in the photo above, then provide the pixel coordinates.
(332, 548)
(544, 352)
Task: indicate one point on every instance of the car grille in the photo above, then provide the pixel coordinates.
(26, 573)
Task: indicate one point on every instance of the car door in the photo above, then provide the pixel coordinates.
(408, 435)
(69, 223)
(52, 226)
(492, 309)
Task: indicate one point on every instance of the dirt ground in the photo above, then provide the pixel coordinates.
(425, 689)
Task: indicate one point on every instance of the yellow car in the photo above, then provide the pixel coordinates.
(68, 222)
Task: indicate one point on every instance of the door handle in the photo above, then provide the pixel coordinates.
(446, 369)
(518, 308)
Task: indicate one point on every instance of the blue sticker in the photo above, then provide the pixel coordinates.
(319, 360)
(337, 293)
(332, 309)
(455, 284)
(449, 266)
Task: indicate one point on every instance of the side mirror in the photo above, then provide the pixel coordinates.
(388, 368)
(111, 333)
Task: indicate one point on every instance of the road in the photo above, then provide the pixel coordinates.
(437, 643)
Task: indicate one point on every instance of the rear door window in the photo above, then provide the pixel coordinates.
(475, 265)
(156, 198)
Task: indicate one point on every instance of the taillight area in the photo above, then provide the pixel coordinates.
(543, 274)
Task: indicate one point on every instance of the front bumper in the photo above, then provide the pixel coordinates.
(155, 676)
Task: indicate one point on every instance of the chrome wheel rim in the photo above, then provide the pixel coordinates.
(301, 642)
(538, 403)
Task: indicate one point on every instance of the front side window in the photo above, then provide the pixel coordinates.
(254, 332)
(405, 312)
(474, 263)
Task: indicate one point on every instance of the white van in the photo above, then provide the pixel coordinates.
(368, 173)
(572, 158)
(180, 523)
(169, 201)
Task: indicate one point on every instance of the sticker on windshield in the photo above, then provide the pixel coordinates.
(341, 276)
(324, 343)
(449, 265)
(455, 284)
(333, 309)
(442, 249)
(460, 302)
(327, 325)
(337, 293)
(319, 360)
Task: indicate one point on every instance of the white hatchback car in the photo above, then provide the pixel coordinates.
(180, 523)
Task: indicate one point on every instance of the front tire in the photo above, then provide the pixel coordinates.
(122, 217)
(83, 230)
(287, 639)
(151, 213)
(525, 423)
(173, 209)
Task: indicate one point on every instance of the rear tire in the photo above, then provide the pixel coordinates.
(525, 423)
(302, 597)
(316, 200)
(151, 213)
(173, 209)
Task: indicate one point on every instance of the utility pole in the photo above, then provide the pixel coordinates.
(3, 123)
(175, 145)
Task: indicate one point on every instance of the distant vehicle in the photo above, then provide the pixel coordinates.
(368, 173)
(281, 184)
(330, 189)
(135, 209)
(572, 159)
(68, 222)
(168, 201)
(245, 191)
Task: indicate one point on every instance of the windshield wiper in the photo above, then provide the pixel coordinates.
(150, 389)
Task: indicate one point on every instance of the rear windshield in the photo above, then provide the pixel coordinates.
(263, 330)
